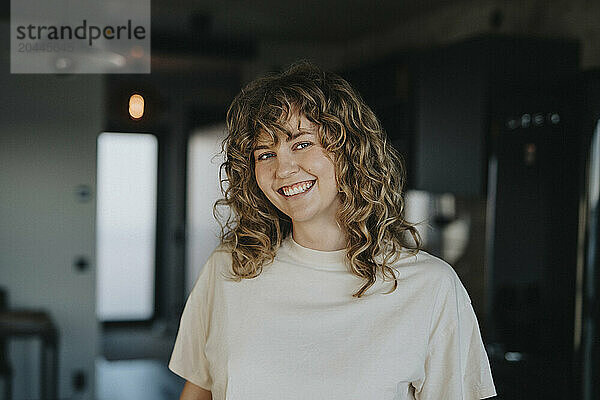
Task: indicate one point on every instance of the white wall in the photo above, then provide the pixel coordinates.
(202, 192)
(48, 129)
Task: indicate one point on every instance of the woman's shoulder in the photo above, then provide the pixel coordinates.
(422, 262)
(222, 251)
(429, 269)
(217, 264)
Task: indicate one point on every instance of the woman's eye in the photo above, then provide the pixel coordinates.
(264, 156)
(303, 145)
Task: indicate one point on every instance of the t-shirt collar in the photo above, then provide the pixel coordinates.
(327, 260)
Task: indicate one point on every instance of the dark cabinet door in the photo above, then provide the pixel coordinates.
(536, 168)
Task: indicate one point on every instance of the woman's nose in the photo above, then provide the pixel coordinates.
(286, 166)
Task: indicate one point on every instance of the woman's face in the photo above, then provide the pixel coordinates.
(296, 175)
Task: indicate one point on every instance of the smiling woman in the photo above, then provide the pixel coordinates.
(319, 289)
(369, 175)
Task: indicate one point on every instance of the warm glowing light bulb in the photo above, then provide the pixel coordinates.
(137, 52)
(136, 106)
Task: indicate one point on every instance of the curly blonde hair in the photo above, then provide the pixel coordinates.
(369, 172)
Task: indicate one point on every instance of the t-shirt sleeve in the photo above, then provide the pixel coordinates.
(456, 366)
(188, 359)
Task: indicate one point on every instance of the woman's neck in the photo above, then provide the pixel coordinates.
(323, 238)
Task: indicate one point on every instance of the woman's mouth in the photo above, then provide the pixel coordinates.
(296, 189)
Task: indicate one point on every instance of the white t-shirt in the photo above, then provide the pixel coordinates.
(296, 332)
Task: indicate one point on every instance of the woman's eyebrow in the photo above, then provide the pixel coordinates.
(288, 139)
(297, 135)
(261, 146)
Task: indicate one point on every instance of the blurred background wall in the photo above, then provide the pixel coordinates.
(454, 83)
(48, 162)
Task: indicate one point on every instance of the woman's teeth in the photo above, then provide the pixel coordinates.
(298, 189)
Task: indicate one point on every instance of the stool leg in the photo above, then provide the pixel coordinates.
(43, 372)
(8, 388)
(54, 370)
